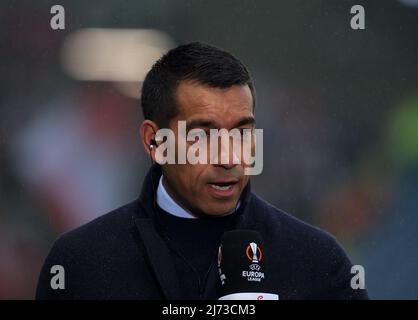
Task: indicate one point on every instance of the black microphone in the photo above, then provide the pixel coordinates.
(242, 267)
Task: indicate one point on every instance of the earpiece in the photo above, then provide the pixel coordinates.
(152, 144)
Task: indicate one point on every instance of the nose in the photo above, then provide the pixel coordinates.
(228, 153)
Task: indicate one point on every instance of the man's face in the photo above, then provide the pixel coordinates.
(210, 189)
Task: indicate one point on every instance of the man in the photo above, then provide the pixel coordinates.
(164, 244)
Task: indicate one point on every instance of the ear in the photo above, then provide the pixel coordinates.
(147, 131)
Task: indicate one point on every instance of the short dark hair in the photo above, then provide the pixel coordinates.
(197, 62)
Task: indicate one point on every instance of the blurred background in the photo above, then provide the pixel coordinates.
(339, 109)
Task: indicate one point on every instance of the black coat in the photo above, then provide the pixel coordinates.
(122, 255)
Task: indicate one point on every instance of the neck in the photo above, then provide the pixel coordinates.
(167, 203)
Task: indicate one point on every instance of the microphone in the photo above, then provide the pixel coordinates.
(242, 267)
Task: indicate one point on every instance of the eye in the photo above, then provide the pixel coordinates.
(247, 129)
(201, 134)
(198, 134)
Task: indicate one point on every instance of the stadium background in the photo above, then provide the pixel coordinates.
(339, 109)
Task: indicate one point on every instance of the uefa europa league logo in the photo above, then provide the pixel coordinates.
(254, 254)
(253, 246)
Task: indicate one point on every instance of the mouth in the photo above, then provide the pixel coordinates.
(223, 189)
